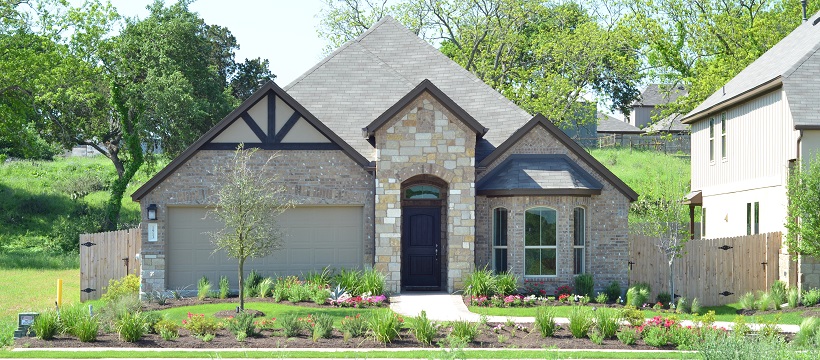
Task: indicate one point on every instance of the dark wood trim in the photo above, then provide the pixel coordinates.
(540, 120)
(539, 192)
(426, 85)
(271, 117)
(273, 146)
(254, 126)
(286, 127)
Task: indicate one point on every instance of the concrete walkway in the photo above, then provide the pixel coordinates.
(446, 307)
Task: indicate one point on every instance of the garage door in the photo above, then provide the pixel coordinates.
(315, 237)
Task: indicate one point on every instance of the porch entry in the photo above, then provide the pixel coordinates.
(423, 254)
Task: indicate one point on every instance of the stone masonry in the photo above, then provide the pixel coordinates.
(607, 233)
(311, 177)
(425, 138)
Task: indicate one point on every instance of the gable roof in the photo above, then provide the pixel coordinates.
(609, 124)
(358, 81)
(659, 94)
(425, 86)
(792, 63)
(236, 115)
(540, 120)
(669, 124)
(536, 174)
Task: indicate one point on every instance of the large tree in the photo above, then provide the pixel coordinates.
(803, 222)
(545, 56)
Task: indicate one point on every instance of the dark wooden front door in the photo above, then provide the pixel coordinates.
(421, 242)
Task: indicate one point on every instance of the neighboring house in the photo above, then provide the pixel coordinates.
(608, 125)
(748, 134)
(649, 105)
(670, 125)
(401, 160)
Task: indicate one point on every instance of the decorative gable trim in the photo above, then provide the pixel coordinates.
(443, 99)
(268, 140)
(540, 120)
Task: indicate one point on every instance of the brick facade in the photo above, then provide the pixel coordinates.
(311, 177)
(425, 139)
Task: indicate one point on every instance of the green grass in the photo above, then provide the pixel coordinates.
(370, 354)
(722, 313)
(270, 310)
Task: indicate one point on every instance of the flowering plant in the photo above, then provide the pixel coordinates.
(563, 290)
(563, 297)
(199, 325)
(480, 301)
(497, 329)
(265, 324)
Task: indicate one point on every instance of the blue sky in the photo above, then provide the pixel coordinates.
(281, 31)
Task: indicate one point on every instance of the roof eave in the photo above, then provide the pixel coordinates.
(758, 90)
(538, 192)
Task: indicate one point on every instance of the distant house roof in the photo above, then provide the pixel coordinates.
(610, 125)
(659, 94)
(357, 82)
(522, 175)
(670, 124)
(793, 63)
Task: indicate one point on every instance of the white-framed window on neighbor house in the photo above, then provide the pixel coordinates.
(711, 139)
(703, 222)
(753, 218)
(579, 234)
(540, 235)
(500, 240)
(723, 145)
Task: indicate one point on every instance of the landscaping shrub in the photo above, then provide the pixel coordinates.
(793, 298)
(318, 294)
(584, 285)
(151, 318)
(353, 326)
(298, 292)
(321, 326)
(480, 283)
(46, 325)
(664, 298)
(348, 279)
(464, 330)
(292, 325)
(628, 335)
(283, 286)
(811, 297)
(506, 283)
(613, 291)
(265, 287)
(131, 327)
(716, 344)
(167, 329)
(384, 325)
(224, 287)
(696, 308)
(319, 278)
(683, 306)
(747, 301)
(545, 322)
(580, 321)
(87, 329)
(70, 316)
(252, 283)
(563, 291)
(633, 316)
(242, 325)
(764, 301)
(371, 282)
(602, 298)
(606, 322)
(129, 285)
(203, 287)
(595, 336)
(808, 332)
(422, 328)
(683, 338)
(777, 292)
(112, 311)
(655, 336)
(637, 295)
(199, 325)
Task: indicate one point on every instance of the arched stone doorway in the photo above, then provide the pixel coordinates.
(424, 233)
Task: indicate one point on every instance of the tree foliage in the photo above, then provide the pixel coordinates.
(803, 222)
(248, 203)
(544, 56)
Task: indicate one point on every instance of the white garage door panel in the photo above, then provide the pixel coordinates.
(315, 237)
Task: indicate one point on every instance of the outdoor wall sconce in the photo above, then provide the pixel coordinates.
(152, 211)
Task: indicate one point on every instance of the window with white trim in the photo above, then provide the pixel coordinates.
(753, 218)
(540, 234)
(579, 235)
(723, 148)
(703, 222)
(712, 139)
(500, 240)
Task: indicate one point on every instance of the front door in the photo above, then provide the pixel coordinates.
(421, 240)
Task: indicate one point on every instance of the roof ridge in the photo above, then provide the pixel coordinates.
(802, 61)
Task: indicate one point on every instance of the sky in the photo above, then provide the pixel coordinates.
(282, 31)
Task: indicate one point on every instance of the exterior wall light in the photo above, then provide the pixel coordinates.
(152, 211)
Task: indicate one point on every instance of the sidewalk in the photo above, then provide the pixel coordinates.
(445, 307)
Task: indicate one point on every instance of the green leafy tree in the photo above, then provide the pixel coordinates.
(803, 222)
(249, 76)
(248, 203)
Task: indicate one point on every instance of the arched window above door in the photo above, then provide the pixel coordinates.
(422, 192)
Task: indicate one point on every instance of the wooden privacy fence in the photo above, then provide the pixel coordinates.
(716, 271)
(105, 256)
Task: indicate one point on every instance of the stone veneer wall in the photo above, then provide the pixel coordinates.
(809, 272)
(311, 177)
(607, 242)
(425, 138)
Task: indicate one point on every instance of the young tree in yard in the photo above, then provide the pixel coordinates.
(248, 203)
(664, 219)
(803, 222)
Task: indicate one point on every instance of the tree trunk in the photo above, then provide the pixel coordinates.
(671, 280)
(241, 285)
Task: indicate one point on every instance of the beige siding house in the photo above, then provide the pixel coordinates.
(400, 160)
(747, 136)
